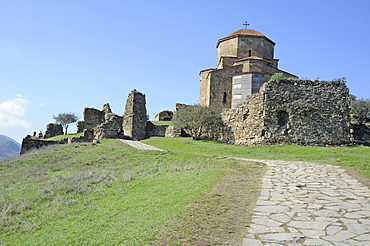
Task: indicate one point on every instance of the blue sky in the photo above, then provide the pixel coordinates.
(63, 56)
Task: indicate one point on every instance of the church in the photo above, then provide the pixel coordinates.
(245, 61)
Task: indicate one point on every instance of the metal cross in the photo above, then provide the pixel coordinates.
(246, 25)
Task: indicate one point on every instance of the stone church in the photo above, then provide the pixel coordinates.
(245, 61)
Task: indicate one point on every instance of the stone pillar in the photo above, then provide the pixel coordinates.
(135, 117)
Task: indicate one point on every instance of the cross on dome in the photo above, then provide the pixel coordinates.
(246, 25)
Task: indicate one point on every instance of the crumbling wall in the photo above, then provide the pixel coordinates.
(165, 115)
(28, 144)
(135, 117)
(53, 129)
(360, 134)
(111, 128)
(93, 118)
(99, 124)
(293, 111)
(80, 126)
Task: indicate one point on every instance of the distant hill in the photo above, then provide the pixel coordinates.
(9, 148)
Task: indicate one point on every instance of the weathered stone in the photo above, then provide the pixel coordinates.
(135, 117)
(165, 115)
(282, 237)
(93, 118)
(53, 129)
(28, 144)
(80, 126)
(290, 111)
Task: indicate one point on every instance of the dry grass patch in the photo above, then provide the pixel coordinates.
(222, 215)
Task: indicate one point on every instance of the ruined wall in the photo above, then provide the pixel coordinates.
(52, 130)
(93, 118)
(100, 124)
(28, 144)
(111, 128)
(360, 134)
(292, 111)
(164, 115)
(135, 117)
(80, 126)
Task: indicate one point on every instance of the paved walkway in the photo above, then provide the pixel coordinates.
(304, 203)
(140, 145)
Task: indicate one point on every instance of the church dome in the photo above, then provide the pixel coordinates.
(244, 32)
(250, 32)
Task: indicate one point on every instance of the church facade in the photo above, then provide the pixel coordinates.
(245, 62)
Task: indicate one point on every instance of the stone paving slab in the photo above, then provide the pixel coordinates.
(305, 203)
(140, 145)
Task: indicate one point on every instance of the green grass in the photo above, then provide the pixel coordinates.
(162, 123)
(59, 137)
(112, 194)
(357, 157)
(105, 194)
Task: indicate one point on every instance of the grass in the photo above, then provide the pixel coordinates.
(112, 194)
(162, 123)
(105, 194)
(59, 137)
(357, 157)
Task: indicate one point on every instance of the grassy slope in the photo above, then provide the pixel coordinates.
(106, 194)
(357, 157)
(111, 194)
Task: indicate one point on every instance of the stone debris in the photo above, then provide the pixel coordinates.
(140, 145)
(304, 203)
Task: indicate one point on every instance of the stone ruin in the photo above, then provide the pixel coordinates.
(283, 112)
(165, 115)
(53, 130)
(99, 124)
(135, 117)
(292, 111)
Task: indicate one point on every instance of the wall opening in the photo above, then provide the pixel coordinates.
(224, 99)
(283, 118)
(250, 53)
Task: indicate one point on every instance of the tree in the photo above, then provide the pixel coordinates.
(360, 110)
(198, 120)
(65, 119)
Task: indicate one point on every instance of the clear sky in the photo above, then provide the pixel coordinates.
(63, 56)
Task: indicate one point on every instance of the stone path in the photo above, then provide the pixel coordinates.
(304, 203)
(140, 145)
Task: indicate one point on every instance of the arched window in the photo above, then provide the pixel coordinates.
(250, 53)
(224, 99)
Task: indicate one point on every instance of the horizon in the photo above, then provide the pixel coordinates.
(62, 57)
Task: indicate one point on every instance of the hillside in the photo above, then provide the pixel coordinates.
(9, 148)
(112, 194)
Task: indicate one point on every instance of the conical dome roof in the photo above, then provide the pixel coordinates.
(245, 32)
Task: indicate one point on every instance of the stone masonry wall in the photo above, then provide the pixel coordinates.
(293, 111)
(52, 130)
(135, 117)
(93, 118)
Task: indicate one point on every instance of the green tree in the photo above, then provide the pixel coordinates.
(65, 119)
(360, 110)
(199, 120)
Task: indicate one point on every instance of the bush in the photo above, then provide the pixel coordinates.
(199, 121)
(360, 110)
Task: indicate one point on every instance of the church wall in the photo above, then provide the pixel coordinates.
(227, 48)
(221, 83)
(205, 79)
(298, 112)
(259, 46)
